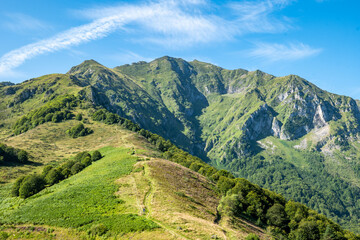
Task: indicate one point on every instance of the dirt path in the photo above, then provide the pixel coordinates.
(147, 203)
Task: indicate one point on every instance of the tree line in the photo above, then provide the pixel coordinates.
(12, 155)
(29, 185)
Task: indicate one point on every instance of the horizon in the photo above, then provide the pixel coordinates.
(316, 40)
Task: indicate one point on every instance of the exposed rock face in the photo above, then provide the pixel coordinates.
(259, 124)
(276, 128)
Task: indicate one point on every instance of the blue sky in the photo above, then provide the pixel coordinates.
(318, 40)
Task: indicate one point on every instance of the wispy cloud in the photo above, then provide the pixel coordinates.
(19, 22)
(278, 52)
(257, 16)
(171, 23)
(167, 19)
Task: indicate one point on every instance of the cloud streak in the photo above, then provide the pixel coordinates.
(279, 52)
(171, 23)
(166, 19)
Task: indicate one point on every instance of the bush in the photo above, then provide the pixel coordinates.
(31, 185)
(252, 236)
(4, 235)
(96, 155)
(79, 117)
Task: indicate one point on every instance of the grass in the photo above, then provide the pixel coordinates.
(83, 200)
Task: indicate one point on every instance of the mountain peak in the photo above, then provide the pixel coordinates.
(84, 66)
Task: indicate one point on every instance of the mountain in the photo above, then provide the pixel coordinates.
(126, 189)
(282, 133)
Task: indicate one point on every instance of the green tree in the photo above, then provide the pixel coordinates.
(308, 230)
(86, 161)
(31, 185)
(53, 176)
(276, 216)
(77, 167)
(96, 155)
(23, 156)
(16, 186)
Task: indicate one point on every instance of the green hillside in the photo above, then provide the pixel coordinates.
(282, 133)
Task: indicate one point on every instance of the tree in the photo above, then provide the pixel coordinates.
(86, 161)
(96, 155)
(79, 130)
(276, 216)
(81, 155)
(31, 185)
(77, 167)
(308, 230)
(16, 186)
(54, 176)
(23, 156)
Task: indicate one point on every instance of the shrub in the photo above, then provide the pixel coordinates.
(252, 236)
(96, 156)
(79, 117)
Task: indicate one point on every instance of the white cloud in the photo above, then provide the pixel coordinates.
(171, 23)
(278, 52)
(257, 16)
(19, 22)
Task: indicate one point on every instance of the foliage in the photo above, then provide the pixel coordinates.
(79, 130)
(300, 183)
(12, 155)
(252, 236)
(55, 110)
(31, 185)
(96, 156)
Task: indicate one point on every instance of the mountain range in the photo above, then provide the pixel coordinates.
(282, 133)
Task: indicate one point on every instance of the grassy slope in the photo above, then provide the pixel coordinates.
(112, 191)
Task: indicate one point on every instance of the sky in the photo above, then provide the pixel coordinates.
(318, 40)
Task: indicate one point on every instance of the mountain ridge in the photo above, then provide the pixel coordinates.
(233, 119)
